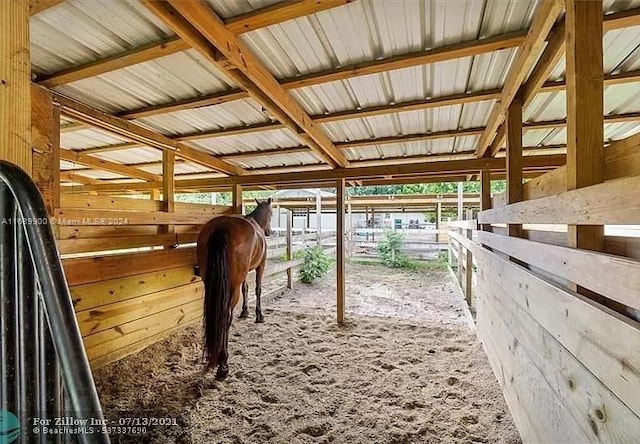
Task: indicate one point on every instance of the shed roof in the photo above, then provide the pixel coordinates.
(239, 130)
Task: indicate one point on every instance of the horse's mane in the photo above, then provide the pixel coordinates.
(259, 214)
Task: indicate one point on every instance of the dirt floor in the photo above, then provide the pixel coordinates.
(419, 377)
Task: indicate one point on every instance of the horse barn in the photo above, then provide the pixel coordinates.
(123, 113)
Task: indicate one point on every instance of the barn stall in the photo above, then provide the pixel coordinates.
(102, 102)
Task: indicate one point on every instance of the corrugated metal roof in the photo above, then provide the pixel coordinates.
(167, 79)
(100, 29)
(364, 30)
(279, 138)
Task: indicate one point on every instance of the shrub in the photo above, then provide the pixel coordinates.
(390, 250)
(316, 264)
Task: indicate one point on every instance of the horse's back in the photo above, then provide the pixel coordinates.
(244, 239)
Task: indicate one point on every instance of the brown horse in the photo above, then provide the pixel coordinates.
(228, 248)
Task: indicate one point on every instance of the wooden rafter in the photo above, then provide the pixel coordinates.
(368, 143)
(546, 15)
(130, 130)
(551, 56)
(105, 165)
(238, 25)
(388, 171)
(197, 24)
(38, 6)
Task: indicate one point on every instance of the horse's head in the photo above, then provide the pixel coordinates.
(263, 215)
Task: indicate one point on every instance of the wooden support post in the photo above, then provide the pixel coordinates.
(340, 256)
(15, 84)
(438, 222)
(584, 73)
(350, 249)
(460, 200)
(168, 185)
(45, 140)
(366, 223)
(373, 225)
(289, 246)
(513, 125)
(155, 194)
(485, 195)
(305, 228)
(236, 199)
(468, 271)
(460, 259)
(319, 216)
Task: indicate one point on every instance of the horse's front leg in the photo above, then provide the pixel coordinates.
(259, 273)
(245, 303)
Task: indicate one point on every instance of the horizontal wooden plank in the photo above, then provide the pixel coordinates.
(81, 201)
(596, 271)
(103, 244)
(587, 330)
(88, 296)
(85, 217)
(121, 335)
(108, 316)
(136, 346)
(540, 415)
(90, 232)
(610, 203)
(579, 392)
(95, 269)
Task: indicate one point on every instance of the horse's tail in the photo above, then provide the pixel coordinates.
(217, 296)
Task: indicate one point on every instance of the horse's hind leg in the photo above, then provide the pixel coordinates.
(223, 355)
(245, 296)
(259, 273)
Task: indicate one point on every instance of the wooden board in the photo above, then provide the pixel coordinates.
(111, 231)
(74, 216)
(587, 330)
(596, 414)
(108, 316)
(107, 244)
(88, 296)
(613, 203)
(96, 269)
(122, 335)
(45, 139)
(537, 411)
(136, 347)
(595, 271)
(15, 72)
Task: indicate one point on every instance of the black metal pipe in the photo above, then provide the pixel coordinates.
(8, 330)
(28, 331)
(60, 314)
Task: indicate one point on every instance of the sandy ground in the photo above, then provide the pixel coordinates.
(299, 378)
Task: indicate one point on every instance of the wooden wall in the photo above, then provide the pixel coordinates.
(127, 301)
(568, 362)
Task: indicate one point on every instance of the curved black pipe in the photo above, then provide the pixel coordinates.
(55, 298)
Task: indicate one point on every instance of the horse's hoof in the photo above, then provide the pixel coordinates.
(244, 314)
(260, 320)
(221, 374)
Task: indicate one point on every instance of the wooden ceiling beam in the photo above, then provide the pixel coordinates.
(545, 17)
(312, 178)
(130, 130)
(105, 165)
(77, 177)
(38, 6)
(251, 75)
(411, 138)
